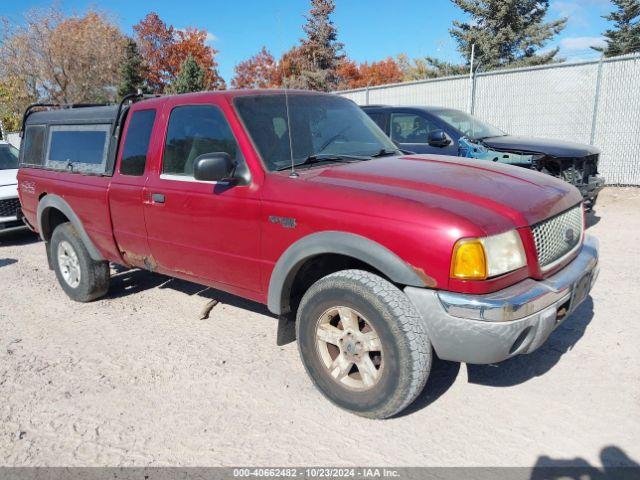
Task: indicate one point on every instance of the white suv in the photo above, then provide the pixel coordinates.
(9, 202)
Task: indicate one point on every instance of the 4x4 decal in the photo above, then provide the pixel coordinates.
(286, 222)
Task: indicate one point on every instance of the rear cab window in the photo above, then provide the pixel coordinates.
(136, 144)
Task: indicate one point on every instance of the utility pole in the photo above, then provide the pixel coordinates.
(471, 81)
(367, 92)
(596, 101)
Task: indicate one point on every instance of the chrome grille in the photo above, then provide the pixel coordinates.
(9, 207)
(557, 237)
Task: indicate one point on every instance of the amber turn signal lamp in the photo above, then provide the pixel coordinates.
(468, 261)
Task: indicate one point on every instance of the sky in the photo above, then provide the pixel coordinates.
(370, 29)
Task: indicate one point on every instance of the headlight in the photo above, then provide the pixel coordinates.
(481, 258)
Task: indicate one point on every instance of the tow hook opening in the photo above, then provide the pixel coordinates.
(563, 311)
(520, 340)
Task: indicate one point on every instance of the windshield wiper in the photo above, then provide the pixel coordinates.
(384, 152)
(326, 157)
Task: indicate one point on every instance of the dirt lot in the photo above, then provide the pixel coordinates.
(138, 379)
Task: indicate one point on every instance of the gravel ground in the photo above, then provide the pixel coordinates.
(138, 379)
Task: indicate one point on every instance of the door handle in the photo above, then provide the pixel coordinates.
(157, 198)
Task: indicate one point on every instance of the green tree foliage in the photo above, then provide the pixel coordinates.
(190, 77)
(12, 103)
(506, 32)
(624, 38)
(320, 51)
(428, 67)
(132, 71)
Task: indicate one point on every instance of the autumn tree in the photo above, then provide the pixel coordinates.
(190, 78)
(352, 75)
(165, 48)
(259, 71)
(348, 73)
(132, 71)
(506, 32)
(624, 38)
(289, 66)
(62, 59)
(154, 39)
(192, 42)
(13, 100)
(316, 60)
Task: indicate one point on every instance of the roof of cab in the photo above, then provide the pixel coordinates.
(107, 114)
(74, 116)
(229, 94)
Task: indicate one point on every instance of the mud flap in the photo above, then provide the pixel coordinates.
(47, 247)
(286, 330)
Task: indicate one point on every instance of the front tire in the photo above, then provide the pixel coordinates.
(82, 278)
(362, 343)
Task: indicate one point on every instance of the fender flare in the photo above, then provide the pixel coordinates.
(58, 203)
(341, 243)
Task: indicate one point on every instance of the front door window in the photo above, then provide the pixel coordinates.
(410, 128)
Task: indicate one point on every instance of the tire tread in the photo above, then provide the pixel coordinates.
(407, 321)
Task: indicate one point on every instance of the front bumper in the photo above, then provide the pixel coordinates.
(491, 328)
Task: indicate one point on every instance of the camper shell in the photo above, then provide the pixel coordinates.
(71, 138)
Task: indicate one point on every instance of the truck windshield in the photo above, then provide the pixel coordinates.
(321, 125)
(468, 125)
(8, 157)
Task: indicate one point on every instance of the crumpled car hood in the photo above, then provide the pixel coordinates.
(552, 147)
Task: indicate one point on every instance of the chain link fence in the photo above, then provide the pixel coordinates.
(595, 102)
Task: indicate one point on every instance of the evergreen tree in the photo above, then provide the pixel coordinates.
(506, 32)
(320, 50)
(625, 37)
(132, 71)
(190, 78)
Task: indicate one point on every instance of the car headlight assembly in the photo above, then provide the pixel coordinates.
(487, 257)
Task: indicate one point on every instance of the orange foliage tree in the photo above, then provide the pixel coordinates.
(291, 65)
(259, 71)
(165, 48)
(309, 65)
(352, 75)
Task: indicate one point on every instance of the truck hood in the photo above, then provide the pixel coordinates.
(491, 196)
(554, 148)
(8, 177)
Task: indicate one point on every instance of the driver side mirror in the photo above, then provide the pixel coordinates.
(213, 167)
(437, 138)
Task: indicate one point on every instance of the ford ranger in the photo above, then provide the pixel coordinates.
(299, 201)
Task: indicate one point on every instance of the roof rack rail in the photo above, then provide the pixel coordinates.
(30, 109)
(132, 97)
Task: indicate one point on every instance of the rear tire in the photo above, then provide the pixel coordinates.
(82, 278)
(363, 343)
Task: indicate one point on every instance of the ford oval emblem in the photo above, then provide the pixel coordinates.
(569, 236)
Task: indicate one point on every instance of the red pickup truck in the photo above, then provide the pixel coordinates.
(299, 201)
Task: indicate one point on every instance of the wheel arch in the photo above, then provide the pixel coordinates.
(333, 243)
(50, 207)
